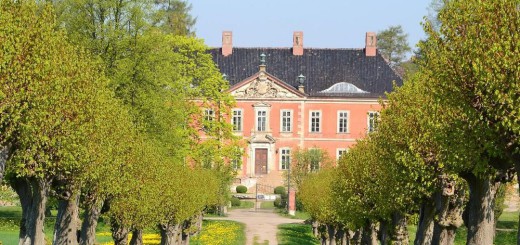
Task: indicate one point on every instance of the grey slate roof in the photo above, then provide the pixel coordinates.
(321, 67)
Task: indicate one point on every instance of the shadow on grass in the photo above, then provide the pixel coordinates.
(291, 234)
(11, 212)
(507, 225)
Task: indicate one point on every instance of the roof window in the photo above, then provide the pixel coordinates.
(344, 87)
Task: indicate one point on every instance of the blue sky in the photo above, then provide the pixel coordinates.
(325, 23)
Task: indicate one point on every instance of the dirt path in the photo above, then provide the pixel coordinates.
(262, 224)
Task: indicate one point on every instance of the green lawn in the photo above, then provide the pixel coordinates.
(220, 232)
(302, 234)
(10, 223)
(232, 232)
(245, 204)
(291, 234)
(508, 220)
(267, 204)
(298, 214)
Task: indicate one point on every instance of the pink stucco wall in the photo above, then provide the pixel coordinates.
(300, 137)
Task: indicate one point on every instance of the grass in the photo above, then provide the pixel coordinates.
(220, 232)
(508, 220)
(302, 234)
(289, 234)
(297, 215)
(232, 233)
(267, 205)
(255, 241)
(244, 204)
(10, 217)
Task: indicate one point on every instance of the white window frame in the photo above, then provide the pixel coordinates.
(258, 118)
(311, 117)
(289, 118)
(234, 162)
(285, 152)
(339, 152)
(209, 114)
(347, 126)
(371, 116)
(240, 126)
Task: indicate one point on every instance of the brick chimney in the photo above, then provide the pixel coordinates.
(370, 44)
(297, 48)
(227, 43)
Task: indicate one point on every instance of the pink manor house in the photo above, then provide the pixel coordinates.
(296, 97)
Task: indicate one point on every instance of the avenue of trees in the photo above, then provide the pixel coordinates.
(447, 140)
(101, 107)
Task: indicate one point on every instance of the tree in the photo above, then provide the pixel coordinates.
(50, 90)
(305, 161)
(433, 10)
(472, 66)
(316, 195)
(393, 45)
(174, 17)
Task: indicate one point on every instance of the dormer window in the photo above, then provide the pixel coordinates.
(344, 87)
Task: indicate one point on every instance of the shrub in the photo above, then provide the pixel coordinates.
(241, 189)
(299, 204)
(280, 190)
(278, 202)
(235, 202)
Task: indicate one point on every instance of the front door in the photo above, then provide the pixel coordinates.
(260, 161)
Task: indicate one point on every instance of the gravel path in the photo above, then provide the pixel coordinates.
(262, 224)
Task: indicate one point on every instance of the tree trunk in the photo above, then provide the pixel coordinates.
(323, 233)
(342, 235)
(33, 197)
(369, 236)
(331, 230)
(315, 225)
(4, 155)
(357, 236)
(23, 190)
(480, 210)
(449, 210)
(517, 168)
(119, 233)
(66, 227)
(137, 237)
(198, 223)
(186, 232)
(383, 233)
(424, 233)
(170, 234)
(399, 234)
(90, 221)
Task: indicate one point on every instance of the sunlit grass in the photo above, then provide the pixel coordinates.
(221, 232)
(301, 234)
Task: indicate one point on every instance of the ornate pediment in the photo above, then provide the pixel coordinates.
(263, 86)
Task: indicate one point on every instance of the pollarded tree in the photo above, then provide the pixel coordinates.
(112, 151)
(409, 134)
(371, 188)
(356, 202)
(137, 204)
(183, 201)
(49, 92)
(315, 193)
(305, 161)
(472, 61)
